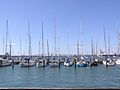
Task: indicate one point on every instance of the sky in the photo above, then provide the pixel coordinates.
(93, 15)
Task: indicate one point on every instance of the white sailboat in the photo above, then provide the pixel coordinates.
(68, 63)
(108, 61)
(92, 60)
(54, 62)
(4, 61)
(118, 59)
(27, 61)
(41, 61)
(80, 60)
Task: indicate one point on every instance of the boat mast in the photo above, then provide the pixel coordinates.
(97, 45)
(48, 48)
(20, 46)
(105, 40)
(77, 48)
(108, 44)
(55, 34)
(118, 51)
(81, 43)
(29, 36)
(3, 44)
(6, 36)
(39, 48)
(91, 46)
(42, 41)
(59, 46)
(67, 45)
(10, 47)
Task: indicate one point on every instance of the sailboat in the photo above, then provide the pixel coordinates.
(92, 62)
(4, 61)
(27, 61)
(118, 59)
(108, 61)
(54, 60)
(68, 62)
(41, 61)
(80, 60)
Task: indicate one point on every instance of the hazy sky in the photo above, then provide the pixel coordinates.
(68, 13)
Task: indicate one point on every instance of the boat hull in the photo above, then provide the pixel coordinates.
(117, 62)
(82, 65)
(5, 63)
(68, 64)
(54, 64)
(110, 63)
(27, 64)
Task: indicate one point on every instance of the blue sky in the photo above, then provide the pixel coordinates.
(68, 13)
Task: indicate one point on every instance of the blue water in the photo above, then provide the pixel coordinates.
(64, 77)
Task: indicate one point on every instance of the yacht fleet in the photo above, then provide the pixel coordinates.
(57, 61)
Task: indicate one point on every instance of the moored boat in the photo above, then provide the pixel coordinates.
(41, 62)
(68, 62)
(27, 62)
(108, 62)
(82, 64)
(4, 62)
(54, 62)
(117, 61)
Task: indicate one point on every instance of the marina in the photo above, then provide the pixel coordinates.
(63, 77)
(59, 44)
